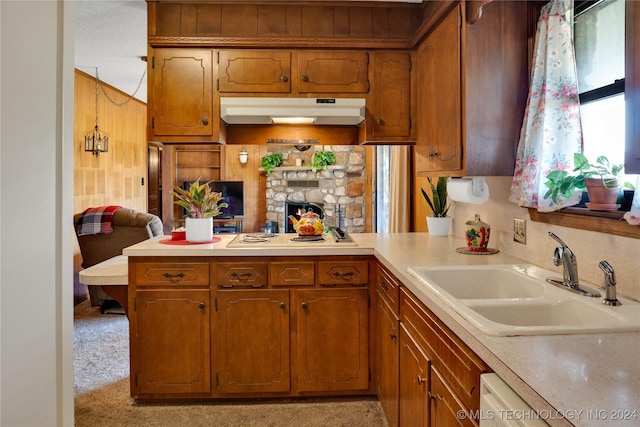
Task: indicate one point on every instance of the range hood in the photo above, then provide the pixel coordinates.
(318, 111)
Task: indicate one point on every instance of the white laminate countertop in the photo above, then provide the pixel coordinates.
(582, 379)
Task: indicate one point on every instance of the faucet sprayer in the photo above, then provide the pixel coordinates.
(609, 284)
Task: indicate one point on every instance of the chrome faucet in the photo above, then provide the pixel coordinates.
(609, 284)
(563, 254)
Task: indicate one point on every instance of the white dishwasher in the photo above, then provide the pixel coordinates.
(501, 406)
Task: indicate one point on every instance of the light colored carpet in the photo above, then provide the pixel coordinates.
(101, 390)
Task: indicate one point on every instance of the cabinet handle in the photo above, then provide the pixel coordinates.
(173, 277)
(241, 276)
(393, 336)
(205, 121)
(283, 305)
(284, 79)
(430, 396)
(380, 122)
(304, 78)
(433, 154)
(202, 306)
(304, 305)
(384, 286)
(420, 380)
(348, 275)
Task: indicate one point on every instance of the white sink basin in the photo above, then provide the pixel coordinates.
(509, 300)
(506, 281)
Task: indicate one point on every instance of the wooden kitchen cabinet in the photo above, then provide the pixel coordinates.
(170, 328)
(181, 95)
(171, 332)
(387, 336)
(333, 339)
(389, 102)
(413, 382)
(459, 369)
(332, 71)
(472, 85)
(260, 71)
(445, 407)
(252, 336)
(298, 71)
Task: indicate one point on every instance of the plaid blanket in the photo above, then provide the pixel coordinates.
(96, 220)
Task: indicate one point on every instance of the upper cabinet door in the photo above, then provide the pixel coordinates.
(181, 86)
(391, 94)
(333, 72)
(260, 71)
(439, 143)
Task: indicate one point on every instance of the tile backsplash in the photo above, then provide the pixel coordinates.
(590, 247)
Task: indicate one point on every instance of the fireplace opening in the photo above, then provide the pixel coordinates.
(298, 208)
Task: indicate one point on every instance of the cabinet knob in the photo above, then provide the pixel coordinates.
(393, 336)
(284, 79)
(304, 305)
(433, 154)
(205, 121)
(202, 306)
(384, 286)
(380, 122)
(283, 305)
(304, 78)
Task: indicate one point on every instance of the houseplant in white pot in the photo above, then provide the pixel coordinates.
(202, 205)
(438, 223)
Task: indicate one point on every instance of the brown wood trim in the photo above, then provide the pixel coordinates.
(585, 219)
(289, 42)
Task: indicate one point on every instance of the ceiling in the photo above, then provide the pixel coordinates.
(111, 35)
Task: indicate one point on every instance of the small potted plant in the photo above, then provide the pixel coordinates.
(270, 161)
(322, 159)
(601, 180)
(438, 223)
(202, 205)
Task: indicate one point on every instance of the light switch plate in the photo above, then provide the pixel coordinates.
(519, 230)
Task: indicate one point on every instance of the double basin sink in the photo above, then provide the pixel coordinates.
(508, 300)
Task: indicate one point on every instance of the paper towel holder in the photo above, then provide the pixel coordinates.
(479, 187)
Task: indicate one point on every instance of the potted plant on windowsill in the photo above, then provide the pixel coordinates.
(202, 204)
(438, 223)
(601, 180)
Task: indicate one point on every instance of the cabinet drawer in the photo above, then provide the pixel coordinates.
(229, 274)
(387, 286)
(173, 274)
(343, 272)
(459, 366)
(290, 274)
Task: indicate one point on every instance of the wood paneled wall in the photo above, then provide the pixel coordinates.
(115, 177)
(255, 183)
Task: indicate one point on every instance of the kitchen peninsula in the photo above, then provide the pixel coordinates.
(569, 379)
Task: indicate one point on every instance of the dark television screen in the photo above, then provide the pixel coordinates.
(232, 194)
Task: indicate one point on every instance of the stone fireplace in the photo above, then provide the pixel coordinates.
(339, 190)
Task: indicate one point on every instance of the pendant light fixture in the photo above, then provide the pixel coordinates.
(96, 141)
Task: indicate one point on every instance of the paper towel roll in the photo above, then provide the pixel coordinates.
(468, 190)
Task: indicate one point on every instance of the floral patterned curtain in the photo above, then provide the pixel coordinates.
(551, 131)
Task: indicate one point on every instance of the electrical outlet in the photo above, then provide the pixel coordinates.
(519, 230)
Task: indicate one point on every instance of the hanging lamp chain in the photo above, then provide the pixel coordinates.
(126, 101)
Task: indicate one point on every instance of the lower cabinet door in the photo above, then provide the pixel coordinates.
(332, 339)
(253, 341)
(446, 409)
(387, 363)
(414, 382)
(171, 354)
